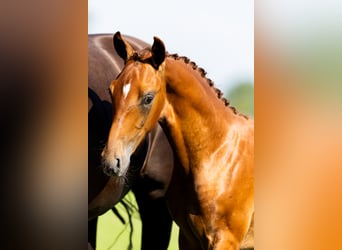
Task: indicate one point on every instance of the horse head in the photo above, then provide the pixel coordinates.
(138, 97)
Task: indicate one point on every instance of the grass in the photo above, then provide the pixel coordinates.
(113, 235)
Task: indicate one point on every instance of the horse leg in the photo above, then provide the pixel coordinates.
(187, 244)
(156, 220)
(225, 240)
(92, 225)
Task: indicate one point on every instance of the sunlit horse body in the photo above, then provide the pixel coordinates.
(211, 194)
(150, 167)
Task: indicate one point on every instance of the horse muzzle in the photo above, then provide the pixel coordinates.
(114, 165)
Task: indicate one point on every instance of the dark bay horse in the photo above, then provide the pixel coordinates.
(211, 194)
(150, 166)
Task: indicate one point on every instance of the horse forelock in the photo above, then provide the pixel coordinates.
(144, 56)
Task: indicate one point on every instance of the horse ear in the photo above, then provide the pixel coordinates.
(123, 48)
(158, 52)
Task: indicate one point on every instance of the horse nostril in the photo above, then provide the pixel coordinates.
(118, 162)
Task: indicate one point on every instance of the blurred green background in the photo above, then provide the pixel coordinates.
(241, 96)
(114, 235)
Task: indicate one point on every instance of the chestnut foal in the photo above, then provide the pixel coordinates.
(211, 194)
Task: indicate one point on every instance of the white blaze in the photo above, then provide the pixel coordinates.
(126, 89)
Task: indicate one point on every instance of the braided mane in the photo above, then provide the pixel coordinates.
(203, 73)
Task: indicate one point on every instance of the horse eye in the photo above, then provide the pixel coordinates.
(147, 100)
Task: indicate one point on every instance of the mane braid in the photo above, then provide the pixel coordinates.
(203, 73)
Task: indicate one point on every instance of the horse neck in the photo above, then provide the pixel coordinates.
(197, 121)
